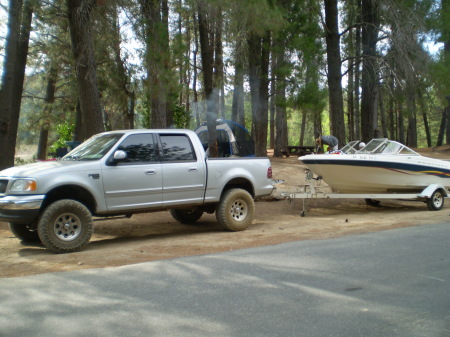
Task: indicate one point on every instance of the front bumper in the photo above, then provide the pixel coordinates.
(22, 209)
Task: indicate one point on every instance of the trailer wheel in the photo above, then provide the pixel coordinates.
(65, 226)
(186, 216)
(436, 201)
(235, 210)
(24, 233)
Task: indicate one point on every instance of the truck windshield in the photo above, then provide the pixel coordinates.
(94, 148)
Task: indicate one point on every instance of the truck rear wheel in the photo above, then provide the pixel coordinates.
(24, 233)
(65, 226)
(236, 209)
(186, 216)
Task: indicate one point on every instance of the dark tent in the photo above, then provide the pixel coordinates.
(232, 139)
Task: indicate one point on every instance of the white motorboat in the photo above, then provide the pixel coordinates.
(382, 166)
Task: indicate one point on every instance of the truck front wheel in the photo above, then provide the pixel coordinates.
(186, 216)
(65, 226)
(24, 233)
(236, 209)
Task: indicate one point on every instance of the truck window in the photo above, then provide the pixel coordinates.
(177, 148)
(140, 149)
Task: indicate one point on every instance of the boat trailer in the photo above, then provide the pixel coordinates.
(433, 195)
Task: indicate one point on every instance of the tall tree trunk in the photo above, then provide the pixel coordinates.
(127, 95)
(259, 90)
(384, 128)
(48, 107)
(198, 119)
(400, 123)
(334, 75)
(272, 107)
(279, 57)
(425, 120)
(392, 134)
(8, 78)
(21, 62)
(350, 104)
(370, 26)
(78, 133)
(447, 125)
(156, 60)
(80, 24)
(440, 138)
(218, 63)
(357, 74)
(237, 107)
(412, 121)
(206, 35)
(304, 119)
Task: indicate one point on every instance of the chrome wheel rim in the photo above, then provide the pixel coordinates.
(239, 210)
(67, 227)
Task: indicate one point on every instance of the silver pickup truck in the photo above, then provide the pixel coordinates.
(127, 172)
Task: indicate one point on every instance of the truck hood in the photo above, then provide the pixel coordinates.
(49, 167)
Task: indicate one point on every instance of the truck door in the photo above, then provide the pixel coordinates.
(136, 181)
(184, 175)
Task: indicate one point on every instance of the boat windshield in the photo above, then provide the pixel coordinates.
(94, 148)
(385, 146)
(350, 148)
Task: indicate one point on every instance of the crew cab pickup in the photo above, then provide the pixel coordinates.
(126, 172)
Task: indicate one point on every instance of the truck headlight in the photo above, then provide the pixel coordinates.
(24, 185)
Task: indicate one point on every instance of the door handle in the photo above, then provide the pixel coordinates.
(150, 172)
(192, 169)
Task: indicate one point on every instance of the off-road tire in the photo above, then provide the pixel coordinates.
(187, 217)
(24, 233)
(235, 210)
(65, 226)
(436, 201)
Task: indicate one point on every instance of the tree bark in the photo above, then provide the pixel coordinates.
(412, 121)
(281, 137)
(259, 91)
(21, 63)
(127, 94)
(48, 107)
(80, 24)
(156, 60)
(218, 63)
(425, 121)
(8, 78)
(195, 72)
(207, 52)
(237, 108)
(334, 75)
(400, 123)
(392, 134)
(357, 75)
(370, 26)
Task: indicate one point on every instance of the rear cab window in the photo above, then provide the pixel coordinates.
(177, 148)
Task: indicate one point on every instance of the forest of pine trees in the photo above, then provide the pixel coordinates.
(285, 69)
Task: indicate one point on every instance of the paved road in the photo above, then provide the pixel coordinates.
(391, 283)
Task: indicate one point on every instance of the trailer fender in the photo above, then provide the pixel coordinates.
(428, 192)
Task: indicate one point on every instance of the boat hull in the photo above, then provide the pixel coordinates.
(361, 173)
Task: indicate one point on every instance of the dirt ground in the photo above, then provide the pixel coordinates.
(156, 236)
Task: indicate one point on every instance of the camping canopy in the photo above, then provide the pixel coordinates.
(232, 139)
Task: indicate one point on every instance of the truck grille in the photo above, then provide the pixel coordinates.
(3, 184)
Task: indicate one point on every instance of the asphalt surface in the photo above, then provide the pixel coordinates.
(390, 283)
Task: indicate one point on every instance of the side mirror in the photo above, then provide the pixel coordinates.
(119, 155)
